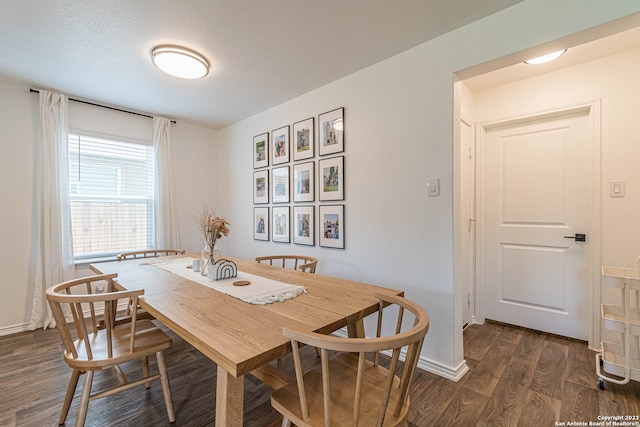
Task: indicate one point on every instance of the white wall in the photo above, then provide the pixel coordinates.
(398, 134)
(193, 157)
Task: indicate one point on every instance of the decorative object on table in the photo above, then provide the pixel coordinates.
(280, 184)
(261, 150)
(303, 225)
(281, 224)
(261, 223)
(331, 132)
(222, 269)
(331, 178)
(213, 228)
(261, 187)
(304, 182)
(280, 145)
(331, 226)
(241, 283)
(303, 140)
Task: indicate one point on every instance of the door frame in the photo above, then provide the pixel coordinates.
(592, 108)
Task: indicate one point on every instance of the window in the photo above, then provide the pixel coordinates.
(111, 186)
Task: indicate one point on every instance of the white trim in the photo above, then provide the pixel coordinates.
(449, 372)
(9, 330)
(593, 107)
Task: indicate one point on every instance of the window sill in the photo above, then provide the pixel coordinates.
(84, 263)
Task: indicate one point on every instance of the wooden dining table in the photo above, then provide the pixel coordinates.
(242, 338)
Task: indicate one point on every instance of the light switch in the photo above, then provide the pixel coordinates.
(433, 187)
(616, 189)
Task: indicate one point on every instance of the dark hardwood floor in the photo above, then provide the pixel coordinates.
(517, 377)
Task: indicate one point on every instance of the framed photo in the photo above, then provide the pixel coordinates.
(280, 184)
(261, 150)
(281, 224)
(261, 187)
(303, 225)
(331, 227)
(331, 132)
(303, 182)
(261, 223)
(331, 178)
(303, 140)
(280, 145)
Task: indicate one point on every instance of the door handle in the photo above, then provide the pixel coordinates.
(577, 237)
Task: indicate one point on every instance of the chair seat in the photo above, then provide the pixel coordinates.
(343, 370)
(149, 339)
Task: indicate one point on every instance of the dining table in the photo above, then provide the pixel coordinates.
(241, 337)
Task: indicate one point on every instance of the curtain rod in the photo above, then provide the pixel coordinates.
(104, 106)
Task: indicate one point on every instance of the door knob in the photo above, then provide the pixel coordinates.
(577, 237)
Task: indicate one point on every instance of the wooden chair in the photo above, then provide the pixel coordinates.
(306, 264)
(97, 349)
(351, 389)
(150, 253)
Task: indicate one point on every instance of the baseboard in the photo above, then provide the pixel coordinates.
(448, 372)
(8, 330)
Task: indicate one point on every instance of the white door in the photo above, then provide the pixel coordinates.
(536, 187)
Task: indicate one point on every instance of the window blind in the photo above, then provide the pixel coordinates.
(111, 196)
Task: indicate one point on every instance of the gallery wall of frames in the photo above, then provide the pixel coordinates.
(298, 173)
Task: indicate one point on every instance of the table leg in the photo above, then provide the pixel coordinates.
(229, 399)
(356, 329)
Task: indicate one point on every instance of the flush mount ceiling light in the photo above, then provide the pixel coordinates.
(545, 58)
(180, 62)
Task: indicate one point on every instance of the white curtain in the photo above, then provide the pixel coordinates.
(54, 259)
(167, 233)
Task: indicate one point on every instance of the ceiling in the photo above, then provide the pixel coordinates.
(262, 52)
(616, 43)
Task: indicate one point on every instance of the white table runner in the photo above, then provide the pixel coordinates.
(260, 291)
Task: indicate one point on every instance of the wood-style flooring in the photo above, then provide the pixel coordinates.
(517, 377)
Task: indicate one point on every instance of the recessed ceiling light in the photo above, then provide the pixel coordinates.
(180, 62)
(545, 58)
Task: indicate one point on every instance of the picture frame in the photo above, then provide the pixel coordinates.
(280, 184)
(304, 225)
(331, 178)
(280, 225)
(261, 223)
(304, 182)
(261, 150)
(331, 132)
(303, 136)
(331, 226)
(280, 145)
(261, 187)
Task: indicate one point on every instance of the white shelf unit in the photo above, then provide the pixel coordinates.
(621, 359)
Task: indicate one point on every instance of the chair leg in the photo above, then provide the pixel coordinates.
(68, 397)
(120, 374)
(145, 370)
(84, 399)
(166, 389)
(286, 422)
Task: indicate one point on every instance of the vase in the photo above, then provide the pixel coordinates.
(216, 253)
(205, 254)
